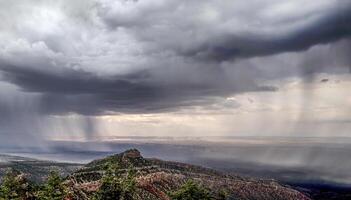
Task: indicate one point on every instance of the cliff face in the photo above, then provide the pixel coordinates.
(156, 178)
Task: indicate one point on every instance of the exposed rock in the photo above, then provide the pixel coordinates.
(132, 153)
(157, 178)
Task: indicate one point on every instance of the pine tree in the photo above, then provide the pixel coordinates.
(129, 185)
(191, 191)
(53, 188)
(116, 185)
(110, 186)
(15, 186)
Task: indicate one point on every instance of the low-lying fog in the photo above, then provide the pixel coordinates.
(318, 160)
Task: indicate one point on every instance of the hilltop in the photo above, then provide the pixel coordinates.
(155, 179)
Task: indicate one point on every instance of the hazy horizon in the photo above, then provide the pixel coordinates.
(286, 159)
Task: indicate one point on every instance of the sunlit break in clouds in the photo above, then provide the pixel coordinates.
(99, 70)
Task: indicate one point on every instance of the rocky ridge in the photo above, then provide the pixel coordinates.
(156, 178)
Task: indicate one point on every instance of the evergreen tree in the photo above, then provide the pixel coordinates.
(116, 185)
(223, 195)
(53, 189)
(191, 191)
(129, 184)
(15, 186)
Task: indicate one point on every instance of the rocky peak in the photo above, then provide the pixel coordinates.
(132, 153)
(156, 179)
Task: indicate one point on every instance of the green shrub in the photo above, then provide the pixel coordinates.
(15, 186)
(191, 191)
(53, 189)
(117, 185)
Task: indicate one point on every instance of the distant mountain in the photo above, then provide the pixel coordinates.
(157, 178)
(37, 170)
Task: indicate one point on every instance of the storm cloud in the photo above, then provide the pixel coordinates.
(103, 57)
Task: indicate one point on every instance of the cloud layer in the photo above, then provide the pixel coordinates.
(103, 57)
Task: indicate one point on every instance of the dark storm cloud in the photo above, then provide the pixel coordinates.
(88, 94)
(184, 27)
(154, 56)
(329, 28)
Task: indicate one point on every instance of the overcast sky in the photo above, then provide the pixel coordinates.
(87, 70)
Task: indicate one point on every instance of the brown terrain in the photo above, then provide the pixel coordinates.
(156, 178)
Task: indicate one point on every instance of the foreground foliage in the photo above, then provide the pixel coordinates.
(116, 185)
(53, 189)
(191, 191)
(15, 186)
